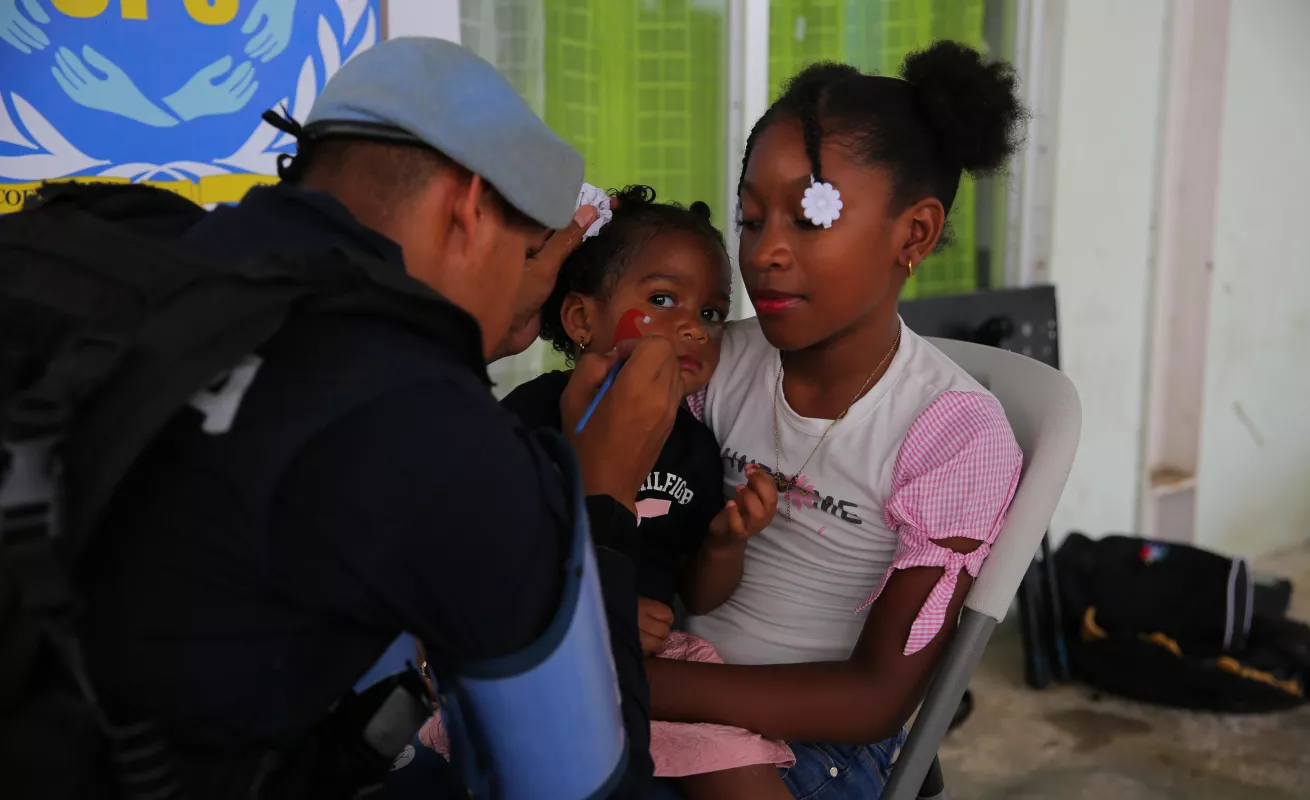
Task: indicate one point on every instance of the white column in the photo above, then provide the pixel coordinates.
(748, 99)
(436, 18)
(1184, 254)
(1113, 61)
(755, 98)
(1029, 212)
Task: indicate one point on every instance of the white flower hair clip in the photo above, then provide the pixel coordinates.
(822, 203)
(591, 196)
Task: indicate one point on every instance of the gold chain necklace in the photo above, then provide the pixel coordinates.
(786, 483)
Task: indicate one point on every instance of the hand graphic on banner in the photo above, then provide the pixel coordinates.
(108, 58)
(115, 93)
(201, 97)
(23, 34)
(276, 15)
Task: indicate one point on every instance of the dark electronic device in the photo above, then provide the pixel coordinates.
(1019, 320)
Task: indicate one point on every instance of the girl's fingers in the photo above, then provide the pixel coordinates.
(753, 508)
(736, 525)
(654, 627)
(655, 610)
(660, 613)
(762, 486)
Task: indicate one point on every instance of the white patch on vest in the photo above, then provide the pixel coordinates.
(402, 760)
(221, 401)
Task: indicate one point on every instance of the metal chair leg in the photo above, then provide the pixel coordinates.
(934, 785)
(939, 705)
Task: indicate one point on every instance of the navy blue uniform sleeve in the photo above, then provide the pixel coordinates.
(614, 532)
(432, 510)
(428, 510)
(536, 402)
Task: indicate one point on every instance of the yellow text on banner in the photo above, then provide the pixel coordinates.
(230, 188)
(13, 195)
(210, 189)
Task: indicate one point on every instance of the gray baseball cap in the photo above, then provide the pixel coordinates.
(434, 92)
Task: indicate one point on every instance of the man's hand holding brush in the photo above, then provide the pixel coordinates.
(618, 445)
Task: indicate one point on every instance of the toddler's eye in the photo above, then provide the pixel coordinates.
(662, 300)
(714, 316)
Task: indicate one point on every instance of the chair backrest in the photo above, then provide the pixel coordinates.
(1046, 416)
(1043, 409)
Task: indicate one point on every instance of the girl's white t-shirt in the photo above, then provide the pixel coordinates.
(926, 454)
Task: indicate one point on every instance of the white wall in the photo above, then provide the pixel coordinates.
(1253, 489)
(1112, 61)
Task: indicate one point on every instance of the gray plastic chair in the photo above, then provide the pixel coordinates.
(1043, 409)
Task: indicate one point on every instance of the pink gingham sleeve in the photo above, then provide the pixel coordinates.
(954, 476)
(696, 403)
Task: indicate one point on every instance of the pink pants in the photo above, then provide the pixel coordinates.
(691, 748)
(680, 749)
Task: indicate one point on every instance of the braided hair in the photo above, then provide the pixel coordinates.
(948, 114)
(597, 265)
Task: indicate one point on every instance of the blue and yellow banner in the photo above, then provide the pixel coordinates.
(167, 92)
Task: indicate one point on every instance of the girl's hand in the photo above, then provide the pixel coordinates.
(749, 512)
(654, 620)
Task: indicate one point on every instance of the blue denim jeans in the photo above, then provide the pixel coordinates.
(841, 772)
(827, 771)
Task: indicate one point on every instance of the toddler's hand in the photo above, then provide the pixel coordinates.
(654, 620)
(749, 512)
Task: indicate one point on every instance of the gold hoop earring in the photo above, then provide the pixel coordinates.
(909, 269)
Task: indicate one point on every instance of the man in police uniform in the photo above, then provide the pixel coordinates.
(353, 480)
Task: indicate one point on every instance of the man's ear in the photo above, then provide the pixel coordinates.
(469, 207)
(576, 315)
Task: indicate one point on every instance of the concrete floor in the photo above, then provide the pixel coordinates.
(1066, 743)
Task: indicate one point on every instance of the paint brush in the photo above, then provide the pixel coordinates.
(626, 329)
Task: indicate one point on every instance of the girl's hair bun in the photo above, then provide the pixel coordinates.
(973, 107)
(634, 195)
(701, 209)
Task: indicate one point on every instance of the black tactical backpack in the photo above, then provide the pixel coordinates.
(107, 328)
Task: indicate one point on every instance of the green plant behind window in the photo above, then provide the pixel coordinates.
(639, 87)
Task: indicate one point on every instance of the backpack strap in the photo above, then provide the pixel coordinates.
(146, 210)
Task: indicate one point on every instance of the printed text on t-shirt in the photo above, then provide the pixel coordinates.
(670, 484)
(733, 460)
